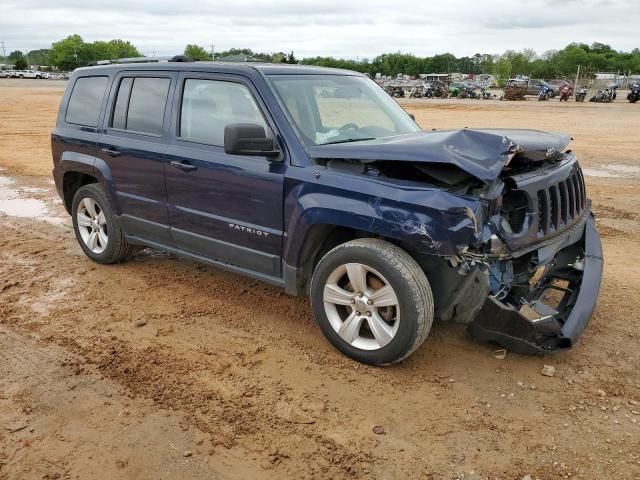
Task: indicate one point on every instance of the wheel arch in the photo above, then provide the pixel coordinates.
(319, 239)
(76, 170)
(72, 181)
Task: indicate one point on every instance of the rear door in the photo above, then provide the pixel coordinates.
(225, 207)
(134, 146)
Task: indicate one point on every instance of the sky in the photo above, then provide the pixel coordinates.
(344, 29)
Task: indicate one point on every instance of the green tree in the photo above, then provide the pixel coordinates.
(15, 55)
(502, 69)
(39, 57)
(73, 51)
(69, 53)
(21, 64)
(123, 49)
(289, 58)
(196, 52)
(98, 50)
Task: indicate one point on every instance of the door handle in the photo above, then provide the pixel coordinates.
(184, 166)
(110, 152)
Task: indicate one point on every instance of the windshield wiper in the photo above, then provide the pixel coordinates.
(349, 140)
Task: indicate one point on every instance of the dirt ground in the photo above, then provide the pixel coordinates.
(162, 368)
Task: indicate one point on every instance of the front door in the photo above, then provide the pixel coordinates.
(225, 207)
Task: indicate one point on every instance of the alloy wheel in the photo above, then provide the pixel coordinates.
(92, 225)
(361, 306)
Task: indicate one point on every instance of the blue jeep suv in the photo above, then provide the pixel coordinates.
(315, 180)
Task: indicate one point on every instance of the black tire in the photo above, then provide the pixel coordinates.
(404, 275)
(117, 248)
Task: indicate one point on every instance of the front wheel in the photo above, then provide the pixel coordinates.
(372, 301)
(98, 231)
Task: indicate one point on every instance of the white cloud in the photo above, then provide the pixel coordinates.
(325, 27)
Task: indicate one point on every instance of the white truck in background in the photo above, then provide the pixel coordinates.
(30, 74)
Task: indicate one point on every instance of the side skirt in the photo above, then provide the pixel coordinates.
(277, 281)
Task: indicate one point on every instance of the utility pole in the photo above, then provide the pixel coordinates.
(212, 54)
(577, 77)
(4, 52)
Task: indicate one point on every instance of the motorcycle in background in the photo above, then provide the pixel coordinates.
(607, 95)
(545, 93)
(484, 95)
(565, 93)
(581, 94)
(634, 93)
(467, 92)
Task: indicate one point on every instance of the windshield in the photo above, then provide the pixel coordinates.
(329, 109)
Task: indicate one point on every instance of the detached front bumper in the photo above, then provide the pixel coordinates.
(573, 278)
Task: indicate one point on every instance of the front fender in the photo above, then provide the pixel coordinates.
(423, 220)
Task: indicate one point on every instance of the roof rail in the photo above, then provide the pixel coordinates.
(175, 58)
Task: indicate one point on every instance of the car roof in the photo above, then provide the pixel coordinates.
(228, 67)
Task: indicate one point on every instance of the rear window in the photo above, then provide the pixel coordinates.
(140, 104)
(86, 99)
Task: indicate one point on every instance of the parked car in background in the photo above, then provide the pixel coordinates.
(385, 226)
(4, 73)
(560, 83)
(460, 86)
(463, 90)
(535, 85)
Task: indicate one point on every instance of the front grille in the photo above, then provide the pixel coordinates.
(561, 204)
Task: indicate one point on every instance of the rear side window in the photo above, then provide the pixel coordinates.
(86, 99)
(210, 105)
(140, 104)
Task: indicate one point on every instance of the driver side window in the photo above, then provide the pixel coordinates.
(208, 106)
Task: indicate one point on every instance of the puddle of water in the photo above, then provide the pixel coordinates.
(613, 170)
(22, 207)
(16, 202)
(5, 181)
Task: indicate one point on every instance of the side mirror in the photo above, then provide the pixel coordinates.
(413, 117)
(248, 139)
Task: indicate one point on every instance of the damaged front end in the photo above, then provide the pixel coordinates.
(530, 278)
(535, 308)
(543, 262)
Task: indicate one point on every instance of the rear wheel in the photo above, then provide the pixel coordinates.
(372, 301)
(98, 231)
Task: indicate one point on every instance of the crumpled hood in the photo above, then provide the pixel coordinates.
(481, 153)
